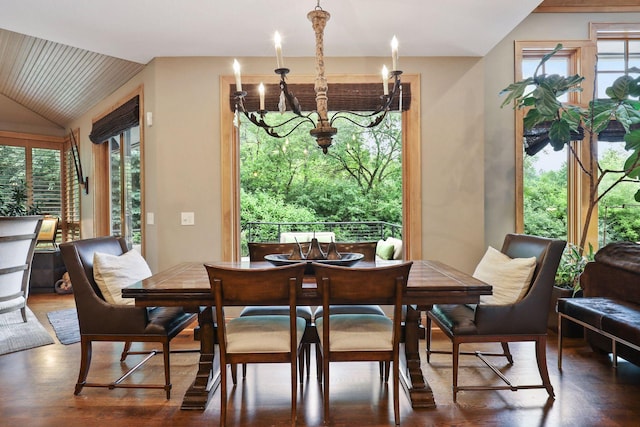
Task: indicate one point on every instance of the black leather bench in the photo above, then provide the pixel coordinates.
(613, 318)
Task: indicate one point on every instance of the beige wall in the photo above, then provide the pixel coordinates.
(182, 152)
(467, 144)
(16, 118)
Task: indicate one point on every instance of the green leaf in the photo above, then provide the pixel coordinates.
(637, 196)
(559, 134)
(619, 90)
(573, 117)
(546, 102)
(532, 119)
(515, 91)
(632, 140)
(632, 165)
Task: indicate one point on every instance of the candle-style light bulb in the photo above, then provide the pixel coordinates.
(261, 92)
(278, 42)
(394, 54)
(236, 72)
(385, 77)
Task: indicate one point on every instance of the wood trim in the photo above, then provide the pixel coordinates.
(587, 6)
(412, 178)
(27, 140)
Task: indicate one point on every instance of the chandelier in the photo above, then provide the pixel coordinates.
(323, 125)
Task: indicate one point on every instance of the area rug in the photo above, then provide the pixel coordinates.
(16, 335)
(65, 324)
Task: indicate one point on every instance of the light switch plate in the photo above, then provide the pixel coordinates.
(187, 218)
(150, 218)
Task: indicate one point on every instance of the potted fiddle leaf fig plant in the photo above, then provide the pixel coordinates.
(548, 120)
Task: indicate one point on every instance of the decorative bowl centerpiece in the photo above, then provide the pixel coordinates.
(315, 254)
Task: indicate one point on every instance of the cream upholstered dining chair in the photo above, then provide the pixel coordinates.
(257, 252)
(522, 275)
(104, 316)
(257, 339)
(361, 337)
(368, 250)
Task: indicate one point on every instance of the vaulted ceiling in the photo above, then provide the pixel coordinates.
(59, 58)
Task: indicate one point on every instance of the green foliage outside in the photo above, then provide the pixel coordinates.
(291, 180)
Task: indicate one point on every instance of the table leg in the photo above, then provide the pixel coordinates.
(200, 391)
(412, 378)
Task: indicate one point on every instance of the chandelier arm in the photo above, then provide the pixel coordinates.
(344, 115)
(258, 120)
(292, 100)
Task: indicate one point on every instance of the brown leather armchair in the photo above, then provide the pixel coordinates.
(525, 320)
(102, 321)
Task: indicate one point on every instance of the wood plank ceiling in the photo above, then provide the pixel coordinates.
(56, 81)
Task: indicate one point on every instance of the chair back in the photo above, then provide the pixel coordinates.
(254, 286)
(18, 236)
(534, 307)
(258, 250)
(362, 286)
(368, 249)
(95, 315)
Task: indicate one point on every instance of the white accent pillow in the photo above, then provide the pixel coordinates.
(113, 272)
(510, 277)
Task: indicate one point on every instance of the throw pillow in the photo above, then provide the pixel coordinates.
(113, 272)
(510, 277)
(384, 250)
(397, 247)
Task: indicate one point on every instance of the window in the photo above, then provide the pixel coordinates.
(118, 166)
(39, 172)
(618, 55)
(411, 149)
(612, 51)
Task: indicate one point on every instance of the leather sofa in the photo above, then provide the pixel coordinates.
(610, 307)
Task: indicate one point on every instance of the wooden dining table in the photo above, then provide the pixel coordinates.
(187, 285)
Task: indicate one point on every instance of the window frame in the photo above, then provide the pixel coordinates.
(102, 173)
(411, 157)
(582, 57)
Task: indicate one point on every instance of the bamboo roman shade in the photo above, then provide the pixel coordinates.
(122, 118)
(342, 96)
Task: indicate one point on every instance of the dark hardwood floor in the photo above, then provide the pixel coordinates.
(37, 390)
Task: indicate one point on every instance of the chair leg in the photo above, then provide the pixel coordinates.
(223, 392)
(541, 356)
(301, 359)
(85, 362)
(386, 370)
(396, 392)
(294, 387)
(23, 312)
(428, 338)
(234, 372)
(125, 350)
(456, 359)
(307, 351)
(325, 385)
(507, 352)
(167, 368)
(319, 363)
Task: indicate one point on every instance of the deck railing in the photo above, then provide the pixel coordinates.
(357, 231)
